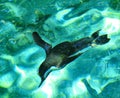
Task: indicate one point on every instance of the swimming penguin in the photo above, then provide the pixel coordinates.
(60, 55)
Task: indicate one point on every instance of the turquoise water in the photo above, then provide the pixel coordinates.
(94, 74)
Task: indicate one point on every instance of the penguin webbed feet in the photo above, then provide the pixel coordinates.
(100, 40)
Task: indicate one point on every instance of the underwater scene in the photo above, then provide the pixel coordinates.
(59, 48)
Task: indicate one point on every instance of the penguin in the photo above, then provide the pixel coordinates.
(63, 53)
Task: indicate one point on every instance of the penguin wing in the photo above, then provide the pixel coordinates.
(41, 42)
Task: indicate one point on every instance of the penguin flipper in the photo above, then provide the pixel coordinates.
(41, 42)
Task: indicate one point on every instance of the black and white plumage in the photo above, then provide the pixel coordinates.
(60, 55)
